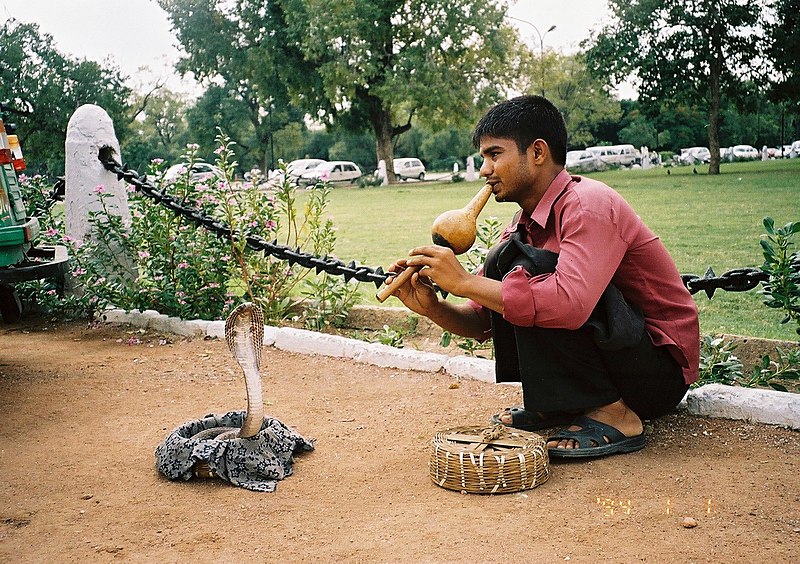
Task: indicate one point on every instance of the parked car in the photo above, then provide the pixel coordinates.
(584, 161)
(694, 155)
(331, 171)
(201, 172)
(299, 167)
(618, 155)
(406, 168)
(744, 153)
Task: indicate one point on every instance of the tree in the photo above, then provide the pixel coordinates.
(362, 65)
(785, 50)
(785, 53)
(383, 62)
(682, 53)
(241, 48)
(43, 88)
(582, 98)
(159, 129)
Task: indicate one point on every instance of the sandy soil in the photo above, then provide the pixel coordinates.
(86, 407)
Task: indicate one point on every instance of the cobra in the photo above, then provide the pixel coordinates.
(244, 333)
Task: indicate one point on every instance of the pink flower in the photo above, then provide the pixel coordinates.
(271, 225)
(183, 265)
(144, 255)
(99, 189)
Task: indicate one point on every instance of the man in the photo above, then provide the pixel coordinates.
(584, 304)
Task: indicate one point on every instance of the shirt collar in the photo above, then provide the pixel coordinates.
(557, 186)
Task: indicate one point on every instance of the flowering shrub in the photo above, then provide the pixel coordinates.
(162, 261)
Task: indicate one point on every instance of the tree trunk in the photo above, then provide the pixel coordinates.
(713, 125)
(715, 70)
(380, 117)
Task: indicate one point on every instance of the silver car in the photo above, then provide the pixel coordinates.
(331, 171)
(584, 161)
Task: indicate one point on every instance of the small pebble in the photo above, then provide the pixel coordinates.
(689, 523)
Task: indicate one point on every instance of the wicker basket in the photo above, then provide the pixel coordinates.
(493, 460)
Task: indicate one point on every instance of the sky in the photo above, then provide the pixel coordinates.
(136, 33)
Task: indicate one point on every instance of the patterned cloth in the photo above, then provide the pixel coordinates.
(256, 463)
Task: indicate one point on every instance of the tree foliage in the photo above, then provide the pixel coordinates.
(42, 87)
(692, 53)
(785, 50)
(582, 98)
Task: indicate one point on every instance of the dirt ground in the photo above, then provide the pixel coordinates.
(87, 405)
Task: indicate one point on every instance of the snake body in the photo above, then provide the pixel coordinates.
(244, 333)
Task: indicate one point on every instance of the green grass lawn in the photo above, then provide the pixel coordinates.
(703, 220)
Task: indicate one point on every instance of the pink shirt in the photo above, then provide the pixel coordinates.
(600, 239)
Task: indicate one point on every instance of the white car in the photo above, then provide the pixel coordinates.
(744, 153)
(294, 170)
(331, 171)
(406, 168)
(694, 155)
(617, 155)
(584, 161)
(201, 172)
(299, 167)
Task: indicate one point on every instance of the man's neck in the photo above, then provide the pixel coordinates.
(540, 188)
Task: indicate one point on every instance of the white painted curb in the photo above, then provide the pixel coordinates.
(712, 400)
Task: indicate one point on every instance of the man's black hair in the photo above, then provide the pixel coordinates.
(525, 119)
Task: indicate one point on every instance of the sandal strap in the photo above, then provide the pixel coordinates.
(591, 431)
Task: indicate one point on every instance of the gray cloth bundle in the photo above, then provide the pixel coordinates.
(256, 463)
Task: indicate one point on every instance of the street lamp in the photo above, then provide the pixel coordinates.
(541, 43)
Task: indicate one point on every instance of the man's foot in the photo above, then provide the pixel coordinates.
(612, 417)
(520, 418)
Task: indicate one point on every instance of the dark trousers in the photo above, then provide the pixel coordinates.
(563, 370)
(609, 358)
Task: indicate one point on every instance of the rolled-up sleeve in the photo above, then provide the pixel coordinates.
(590, 251)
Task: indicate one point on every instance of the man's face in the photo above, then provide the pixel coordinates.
(506, 169)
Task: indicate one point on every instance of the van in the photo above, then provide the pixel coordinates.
(617, 155)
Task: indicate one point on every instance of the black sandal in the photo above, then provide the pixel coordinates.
(594, 439)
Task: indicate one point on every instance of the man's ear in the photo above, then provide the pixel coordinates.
(539, 151)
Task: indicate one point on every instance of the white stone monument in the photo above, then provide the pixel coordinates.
(471, 174)
(382, 173)
(90, 129)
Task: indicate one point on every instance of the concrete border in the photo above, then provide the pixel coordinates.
(712, 400)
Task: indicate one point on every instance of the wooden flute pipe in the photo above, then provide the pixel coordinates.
(456, 229)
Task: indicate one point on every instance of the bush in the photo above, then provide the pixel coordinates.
(188, 272)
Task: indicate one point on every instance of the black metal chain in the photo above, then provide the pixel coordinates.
(736, 280)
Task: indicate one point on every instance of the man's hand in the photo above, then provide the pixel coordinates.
(417, 293)
(440, 265)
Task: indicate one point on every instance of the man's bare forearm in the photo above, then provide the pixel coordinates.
(460, 319)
